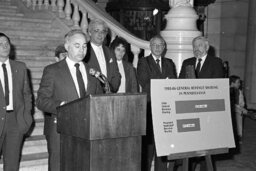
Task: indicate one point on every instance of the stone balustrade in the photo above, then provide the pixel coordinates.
(77, 14)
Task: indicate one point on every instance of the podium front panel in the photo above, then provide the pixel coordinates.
(117, 116)
(104, 116)
(116, 154)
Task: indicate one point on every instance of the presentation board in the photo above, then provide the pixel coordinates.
(191, 115)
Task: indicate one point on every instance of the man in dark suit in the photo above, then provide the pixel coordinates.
(63, 82)
(154, 66)
(205, 66)
(99, 56)
(15, 106)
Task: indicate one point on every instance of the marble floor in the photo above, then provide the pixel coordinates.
(245, 159)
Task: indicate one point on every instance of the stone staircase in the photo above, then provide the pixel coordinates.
(35, 30)
(34, 39)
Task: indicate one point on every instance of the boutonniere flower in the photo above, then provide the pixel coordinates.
(111, 60)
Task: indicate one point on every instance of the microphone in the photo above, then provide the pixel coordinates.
(96, 74)
(102, 78)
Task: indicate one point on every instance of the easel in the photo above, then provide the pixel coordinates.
(206, 153)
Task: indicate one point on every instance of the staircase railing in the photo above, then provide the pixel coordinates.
(77, 14)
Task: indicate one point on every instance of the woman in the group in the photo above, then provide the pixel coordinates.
(237, 105)
(127, 71)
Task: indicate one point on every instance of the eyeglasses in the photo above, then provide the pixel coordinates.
(157, 45)
(100, 31)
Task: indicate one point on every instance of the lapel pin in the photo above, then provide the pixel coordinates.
(111, 60)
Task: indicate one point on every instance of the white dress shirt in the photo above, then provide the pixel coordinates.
(121, 70)
(9, 73)
(202, 62)
(72, 69)
(160, 60)
(100, 57)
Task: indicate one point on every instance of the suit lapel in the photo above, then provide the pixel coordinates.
(205, 65)
(94, 61)
(164, 66)
(2, 93)
(193, 62)
(107, 58)
(67, 78)
(89, 81)
(15, 77)
(126, 74)
(153, 65)
(106, 55)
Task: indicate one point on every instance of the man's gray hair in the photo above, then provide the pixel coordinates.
(74, 32)
(157, 37)
(97, 22)
(204, 39)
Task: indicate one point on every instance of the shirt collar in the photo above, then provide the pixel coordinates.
(203, 58)
(95, 46)
(72, 63)
(119, 61)
(7, 62)
(155, 58)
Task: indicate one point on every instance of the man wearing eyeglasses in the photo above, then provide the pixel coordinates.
(99, 56)
(154, 66)
(15, 105)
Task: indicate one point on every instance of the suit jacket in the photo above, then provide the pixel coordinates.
(212, 67)
(148, 69)
(131, 85)
(113, 74)
(57, 86)
(22, 98)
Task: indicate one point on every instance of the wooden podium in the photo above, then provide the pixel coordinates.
(102, 132)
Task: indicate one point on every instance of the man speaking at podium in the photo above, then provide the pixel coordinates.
(63, 82)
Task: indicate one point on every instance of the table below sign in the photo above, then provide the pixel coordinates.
(191, 115)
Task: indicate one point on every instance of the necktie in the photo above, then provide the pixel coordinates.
(80, 81)
(198, 67)
(6, 85)
(158, 65)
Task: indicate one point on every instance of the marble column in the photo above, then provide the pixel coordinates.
(250, 64)
(180, 30)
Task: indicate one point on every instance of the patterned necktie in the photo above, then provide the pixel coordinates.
(6, 85)
(80, 81)
(198, 67)
(158, 64)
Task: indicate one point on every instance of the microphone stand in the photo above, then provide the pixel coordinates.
(102, 78)
(106, 84)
